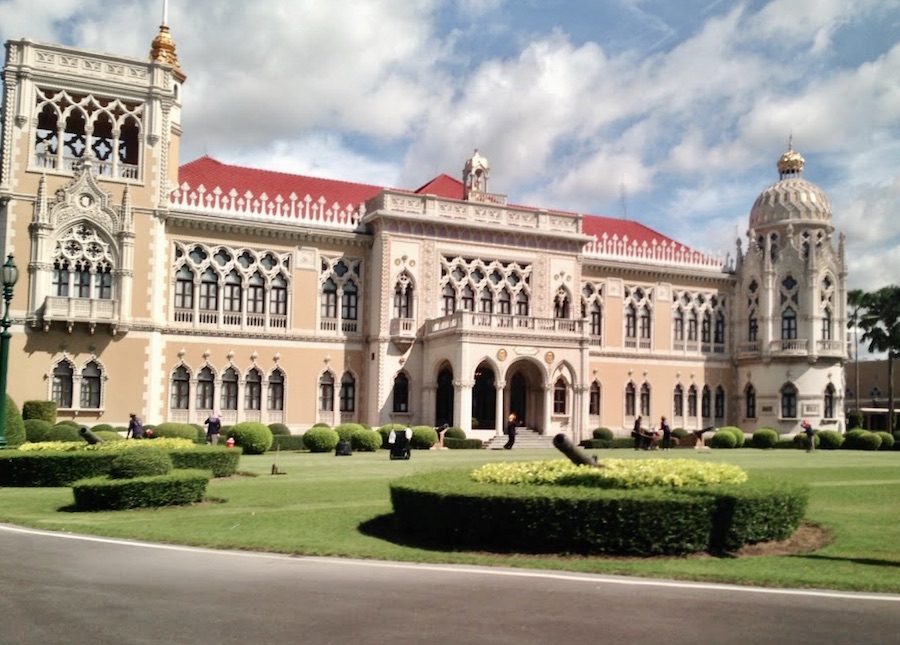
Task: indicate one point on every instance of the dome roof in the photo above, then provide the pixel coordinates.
(791, 198)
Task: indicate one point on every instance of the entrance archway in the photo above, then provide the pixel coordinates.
(443, 403)
(484, 397)
(524, 395)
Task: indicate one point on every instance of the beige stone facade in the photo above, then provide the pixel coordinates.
(172, 292)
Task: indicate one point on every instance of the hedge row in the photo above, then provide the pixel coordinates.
(462, 444)
(449, 509)
(177, 487)
(53, 469)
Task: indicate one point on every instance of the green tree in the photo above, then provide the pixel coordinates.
(881, 326)
(856, 303)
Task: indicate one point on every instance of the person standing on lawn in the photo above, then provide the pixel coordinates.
(511, 431)
(213, 426)
(810, 435)
(135, 427)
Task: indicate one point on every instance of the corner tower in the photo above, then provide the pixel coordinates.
(791, 308)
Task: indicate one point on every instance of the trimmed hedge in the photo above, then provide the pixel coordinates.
(424, 437)
(448, 508)
(54, 469)
(454, 433)
(37, 430)
(43, 410)
(603, 433)
(345, 430)
(830, 439)
(175, 430)
(108, 435)
(279, 429)
(14, 430)
(462, 444)
(862, 440)
(254, 437)
(738, 435)
(765, 438)
(106, 494)
(887, 440)
(320, 439)
(287, 442)
(722, 439)
(145, 462)
(365, 440)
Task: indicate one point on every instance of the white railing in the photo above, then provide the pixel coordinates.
(68, 163)
(795, 345)
(467, 320)
(79, 309)
(749, 347)
(830, 346)
(669, 253)
(403, 327)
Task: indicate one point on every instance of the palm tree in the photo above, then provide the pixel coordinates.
(881, 325)
(855, 300)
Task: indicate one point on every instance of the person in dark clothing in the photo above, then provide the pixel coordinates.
(135, 427)
(511, 432)
(810, 435)
(638, 434)
(213, 426)
(666, 434)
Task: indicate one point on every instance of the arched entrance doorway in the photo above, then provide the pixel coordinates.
(443, 404)
(484, 397)
(524, 394)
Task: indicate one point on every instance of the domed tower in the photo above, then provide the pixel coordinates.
(791, 308)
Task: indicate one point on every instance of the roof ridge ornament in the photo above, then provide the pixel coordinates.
(162, 50)
(791, 162)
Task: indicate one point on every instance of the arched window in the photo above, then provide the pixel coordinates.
(559, 396)
(82, 265)
(328, 304)
(401, 393)
(61, 389)
(788, 401)
(181, 388)
(719, 330)
(468, 298)
(561, 304)
(594, 400)
(678, 325)
(630, 322)
(231, 299)
(595, 320)
(826, 324)
(206, 389)
(229, 389)
(61, 278)
(350, 301)
(645, 400)
(91, 381)
(504, 301)
(184, 288)
(256, 296)
(789, 324)
(829, 402)
(348, 393)
(692, 401)
(750, 402)
(704, 403)
(752, 328)
(678, 402)
(209, 291)
(326, 392)
(449, 296)
(253, 390)
(692, 326)
(403, 297)
(486, 304)
(645, 324)
(706, 328)
(630, 400)
(275, 391)
(522, 305)
(720, 403)
(278, 296)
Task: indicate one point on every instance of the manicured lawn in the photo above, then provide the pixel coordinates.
(330, 506)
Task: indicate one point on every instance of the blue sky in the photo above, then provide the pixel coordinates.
(670, 113)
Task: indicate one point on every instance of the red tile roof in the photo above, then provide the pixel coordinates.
(211, 174)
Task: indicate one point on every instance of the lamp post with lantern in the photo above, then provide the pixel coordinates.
(9, 274)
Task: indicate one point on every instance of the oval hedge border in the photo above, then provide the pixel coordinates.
(175, 488)
(449, 509)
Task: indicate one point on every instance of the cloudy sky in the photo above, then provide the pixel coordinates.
(670, 113)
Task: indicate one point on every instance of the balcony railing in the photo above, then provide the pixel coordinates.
(791, 346)
(403, 327)
(79, 309)
(834, 347)
(467, 320)
(118, 170)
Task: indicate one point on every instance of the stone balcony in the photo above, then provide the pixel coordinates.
(521, 326)
(91, 311)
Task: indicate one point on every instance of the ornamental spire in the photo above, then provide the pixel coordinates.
(163, 48)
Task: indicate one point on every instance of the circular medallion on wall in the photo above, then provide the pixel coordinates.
(501, 354)
(549, 356)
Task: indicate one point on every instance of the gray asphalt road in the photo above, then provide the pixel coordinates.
(57, 588)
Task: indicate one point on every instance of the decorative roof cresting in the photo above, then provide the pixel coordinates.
(163, 51)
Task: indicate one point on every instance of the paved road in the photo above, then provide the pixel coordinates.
(59, 588)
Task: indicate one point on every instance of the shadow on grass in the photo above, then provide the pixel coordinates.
(866, 561)
(385, 527)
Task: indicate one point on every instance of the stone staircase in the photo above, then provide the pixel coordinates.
(526, 439)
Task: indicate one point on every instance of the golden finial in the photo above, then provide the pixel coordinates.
(791, 163)
(163, 48)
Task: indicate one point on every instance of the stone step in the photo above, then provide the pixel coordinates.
(525, 438)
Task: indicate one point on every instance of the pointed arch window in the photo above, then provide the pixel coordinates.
(719, 329)
(449, 297)
(328, 304)
(829, 407)
(504, 302)
(253, 390)
(61, 278)
(231, 299)
(678, 402)
(467, 299)
(750, 402)
(595, 322)
(486, 303)
(326, 392)
(348, 393)
(645, 324)
(206, 389)
(522, 304)
(631, 322)
(561, 305)
(692, 326)
(720, 403)
(209, 291)
(789, 401)
(350, 301)
(692, 401)
(630, 394)
(826, 325)
(181, 388)
(61, 389)
(83, 265)
(275, 391)
(560, 398)
(594, 399)
(789, 324)
(278, 296)
(184, 288)
(706, 328)
(678, 325)
(705, 401)
(256, 294)
(401, 393)
(645, 400)
(403, 297)
(752, 328)
(229, 389)
(91, 383)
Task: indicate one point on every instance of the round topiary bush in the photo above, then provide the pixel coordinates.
(254, 437)
(320, 439)
(108, 435)
(887, 440)
(830, 439)
(862, 440)
(365, 440)
(738, 435)
(604, 434)
(140, 462)
(764, 438)
(37, 430)
(424, 437)
(15, 425)
(680, 433)
(279, 429)
(455, 433)
(174, 430)
(801, 441)
(101, 427)
(44, 410)
(65, 431)
(345, 430)
(722, 439)
(385, 432)
(321, 425)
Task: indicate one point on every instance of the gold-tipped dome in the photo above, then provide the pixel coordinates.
(791, 199)
(163, 51)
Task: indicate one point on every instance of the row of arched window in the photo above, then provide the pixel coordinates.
(788, 402)
(226, 391)
(66, 380)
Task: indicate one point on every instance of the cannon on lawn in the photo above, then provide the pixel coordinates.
(89, 436)
(575, 454)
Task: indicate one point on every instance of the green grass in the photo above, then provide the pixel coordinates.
(330, 506)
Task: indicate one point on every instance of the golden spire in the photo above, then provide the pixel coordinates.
(791, 163)
(163, 48)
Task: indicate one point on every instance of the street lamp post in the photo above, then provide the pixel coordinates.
(8, 274)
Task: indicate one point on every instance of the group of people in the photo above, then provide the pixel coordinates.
(213, 427)
(650, 439)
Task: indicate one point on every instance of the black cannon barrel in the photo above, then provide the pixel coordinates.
(575, 454)
(89, 436)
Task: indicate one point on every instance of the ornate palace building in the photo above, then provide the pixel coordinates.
(173, 290)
